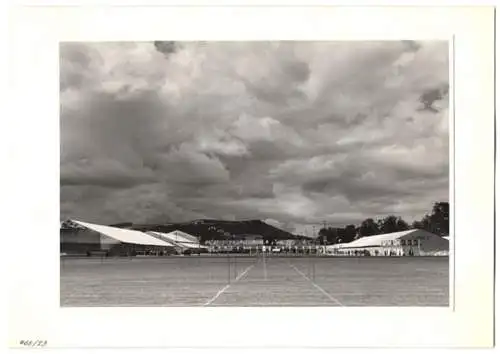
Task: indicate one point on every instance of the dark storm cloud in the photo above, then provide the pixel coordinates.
(429, 97)
(295, 133)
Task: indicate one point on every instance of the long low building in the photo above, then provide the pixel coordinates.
(413, 242)
(78, 237)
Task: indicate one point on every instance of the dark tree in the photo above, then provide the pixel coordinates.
(393, 224)
(334, 236)
(427, 223)
(417, 224)
(440, 218)
(330, 234)
(402, 225)
(389, 224)
(358, 232)
(323, 235)
(350, 233)
(438, 221)
(341, 235)
(368, 228)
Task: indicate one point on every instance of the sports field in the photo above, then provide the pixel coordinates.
(255, 281)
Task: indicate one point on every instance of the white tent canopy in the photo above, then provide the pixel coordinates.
(182, 237)
(125, 235)
(379, 240)
(188, 245)
(177, 237)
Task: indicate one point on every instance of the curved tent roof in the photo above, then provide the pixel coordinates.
(125, 235)
(177, 236)
(378, 240)
(188, 245)
(183, 236)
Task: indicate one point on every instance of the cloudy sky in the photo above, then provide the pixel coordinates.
(295, 133)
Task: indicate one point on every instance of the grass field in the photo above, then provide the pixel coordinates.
(255, 281)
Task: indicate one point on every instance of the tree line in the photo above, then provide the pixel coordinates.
(437, 222)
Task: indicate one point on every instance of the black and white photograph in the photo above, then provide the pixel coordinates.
(255, 173)
(256, 177)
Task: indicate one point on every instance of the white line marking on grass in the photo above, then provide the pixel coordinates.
(217, 295)
(316, 285)
(221, 291)
(244, 272)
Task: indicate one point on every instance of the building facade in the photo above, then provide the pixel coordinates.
(414, 242)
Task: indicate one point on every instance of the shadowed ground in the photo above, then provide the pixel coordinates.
(251, 281)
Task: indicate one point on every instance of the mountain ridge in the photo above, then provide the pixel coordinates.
(214, 229)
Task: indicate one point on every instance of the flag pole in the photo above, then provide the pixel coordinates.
(264, 262)
(235, 266)
(314, 269)
(228, 269)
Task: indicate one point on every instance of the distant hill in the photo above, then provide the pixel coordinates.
(221, 229)
(123, 225)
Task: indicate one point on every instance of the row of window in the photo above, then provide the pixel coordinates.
(409, 242)
(404, 243)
